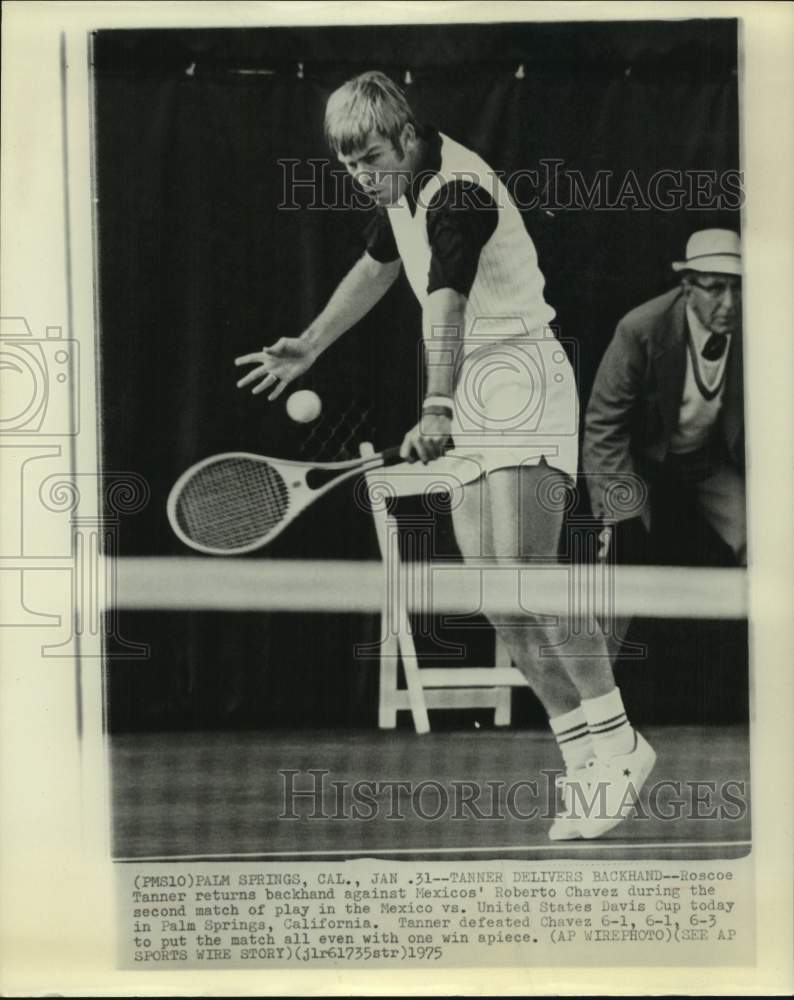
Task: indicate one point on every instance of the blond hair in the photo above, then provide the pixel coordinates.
(368, 103)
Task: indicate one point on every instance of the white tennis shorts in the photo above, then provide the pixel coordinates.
(516, 403)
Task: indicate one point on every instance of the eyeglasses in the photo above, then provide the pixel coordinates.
(716, 289)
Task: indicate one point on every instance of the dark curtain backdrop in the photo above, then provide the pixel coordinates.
(197, 264)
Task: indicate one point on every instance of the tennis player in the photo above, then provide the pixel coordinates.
(498, 383)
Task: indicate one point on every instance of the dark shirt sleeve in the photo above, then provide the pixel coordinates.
(461, 218)
(381, 245)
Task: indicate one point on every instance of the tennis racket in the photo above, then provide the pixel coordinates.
(237, 502)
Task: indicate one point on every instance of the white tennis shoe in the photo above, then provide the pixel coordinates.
(615, 785)
(599, 796)
(569, 788)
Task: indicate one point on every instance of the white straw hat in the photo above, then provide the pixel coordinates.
(715, 250)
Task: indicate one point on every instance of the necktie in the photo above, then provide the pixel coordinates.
(714, 347)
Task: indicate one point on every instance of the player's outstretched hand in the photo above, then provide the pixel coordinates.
(277, 365)
(427, 440)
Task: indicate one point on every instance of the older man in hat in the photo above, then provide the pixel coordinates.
(664, 430)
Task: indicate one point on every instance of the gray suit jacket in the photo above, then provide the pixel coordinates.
(635, 401)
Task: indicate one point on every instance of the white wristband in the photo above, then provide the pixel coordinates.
(438, 401)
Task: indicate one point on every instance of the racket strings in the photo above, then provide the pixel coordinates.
(232, 503)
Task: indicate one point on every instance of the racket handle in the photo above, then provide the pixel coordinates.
(391, 456)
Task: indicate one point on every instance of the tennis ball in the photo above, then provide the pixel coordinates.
(304, 406)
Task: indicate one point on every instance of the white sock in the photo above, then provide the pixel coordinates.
(610, 730)
(573, 738)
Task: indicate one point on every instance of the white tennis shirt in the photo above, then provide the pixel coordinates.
(506, 299)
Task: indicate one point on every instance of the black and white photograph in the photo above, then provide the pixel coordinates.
(523, 248)
(397, 421)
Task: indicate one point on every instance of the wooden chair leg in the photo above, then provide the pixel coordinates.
(396, 629)
(401, 626)
(388, 703)
(503, 709)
